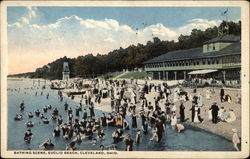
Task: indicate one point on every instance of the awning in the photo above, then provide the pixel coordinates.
(201, 72)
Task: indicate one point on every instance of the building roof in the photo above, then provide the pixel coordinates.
(224, 38)
(196, 53)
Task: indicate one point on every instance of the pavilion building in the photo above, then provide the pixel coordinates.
(219, 58)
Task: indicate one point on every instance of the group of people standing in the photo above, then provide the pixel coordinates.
(150, 108)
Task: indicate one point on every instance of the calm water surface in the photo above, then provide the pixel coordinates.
(189, 140)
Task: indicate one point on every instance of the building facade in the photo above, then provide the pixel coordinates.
(219, 58)
(66, 71)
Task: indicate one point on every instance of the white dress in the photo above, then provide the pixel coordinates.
(231, 117)
(196, 119)
(173, 121)
(208, 94)
(209, 115)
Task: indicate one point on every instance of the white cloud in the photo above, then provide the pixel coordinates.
(198, 23)
(31, 12)
(78, 36)
(74, 36)
(109, 40)
(16, 24)
(25, 20)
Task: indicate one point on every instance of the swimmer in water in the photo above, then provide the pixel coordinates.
(71, 146)
(28, 136)
(47, 144)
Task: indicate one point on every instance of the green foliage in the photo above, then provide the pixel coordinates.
(130, 57)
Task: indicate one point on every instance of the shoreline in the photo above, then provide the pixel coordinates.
(186, 124)
(206, 125)
(226, 132)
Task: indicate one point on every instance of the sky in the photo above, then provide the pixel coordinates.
(39, 35)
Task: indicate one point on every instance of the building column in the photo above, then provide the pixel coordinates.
(164, 75)
(184, 75)
(159, 75)
(167, 76)
(224, 75)
(175, 75)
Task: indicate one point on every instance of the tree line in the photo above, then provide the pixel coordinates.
(130, 57)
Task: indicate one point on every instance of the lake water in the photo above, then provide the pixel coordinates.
(188, 140)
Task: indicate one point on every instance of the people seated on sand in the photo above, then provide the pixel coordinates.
(29, 124)
(180, 127)
(45, 120)
(57, 131)
(220, 111)
(37, 112)
(223, 115)
(47, 145)
(30, 115)
(231, 116)
(228, 98)
(18, 117)
(71, 146)
(28, 136)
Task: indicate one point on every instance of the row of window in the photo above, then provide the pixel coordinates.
(213, 46)
(185, 63)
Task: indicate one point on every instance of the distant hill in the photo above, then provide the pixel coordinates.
(23, 75)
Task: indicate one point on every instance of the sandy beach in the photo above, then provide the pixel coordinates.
(221, 128)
